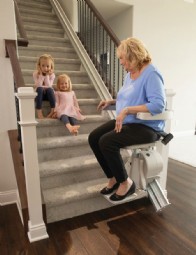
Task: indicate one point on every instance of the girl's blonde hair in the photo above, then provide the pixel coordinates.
(134, 51)
(45, 56)
(64, 77)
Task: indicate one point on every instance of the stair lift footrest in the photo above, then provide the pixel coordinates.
(157, 196)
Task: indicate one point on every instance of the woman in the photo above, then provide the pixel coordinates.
(142, 91)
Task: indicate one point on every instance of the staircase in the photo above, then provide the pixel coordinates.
(70, 175)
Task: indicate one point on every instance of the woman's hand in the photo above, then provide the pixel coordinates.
(119, 121)
(103, 104)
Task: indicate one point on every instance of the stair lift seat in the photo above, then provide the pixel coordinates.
(145, 165)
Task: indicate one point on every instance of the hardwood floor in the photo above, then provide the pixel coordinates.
(129, 229)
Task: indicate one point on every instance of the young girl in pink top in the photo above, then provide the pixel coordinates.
(67, 108)
(44, 77)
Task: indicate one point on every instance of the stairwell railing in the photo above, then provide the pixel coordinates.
(101, 43)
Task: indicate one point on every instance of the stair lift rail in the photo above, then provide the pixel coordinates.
(146, 164)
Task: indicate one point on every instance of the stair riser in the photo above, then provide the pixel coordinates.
(63, 152)
(73, 177)
(43, 29)
(36, 6)
(61, 130)
(35, 1)
(45, 33)
(75, 79)
(24, 11)
(76, 208)
(49, 43)
(55, 54)
(38, 23)
(65, 66)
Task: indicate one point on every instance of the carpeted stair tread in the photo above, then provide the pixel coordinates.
(56, 60)
(37, 5)
(46, 13)
(56, 122)
(46, 38)
(61, 166)
(70, 193)
(77, 73)
(61, 141)
(47, 48)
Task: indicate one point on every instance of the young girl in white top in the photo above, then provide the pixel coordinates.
(44, 77)
(67, 108)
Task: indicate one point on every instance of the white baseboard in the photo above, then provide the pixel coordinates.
(8, 197)
(37, 232)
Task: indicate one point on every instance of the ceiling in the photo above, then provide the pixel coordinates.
(110, 8)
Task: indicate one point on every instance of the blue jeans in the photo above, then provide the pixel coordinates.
(106, 145)
(45, 95)
(66, 119)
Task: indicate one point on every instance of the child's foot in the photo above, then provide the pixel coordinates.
(74, 130)
(40, 114)
(50, 115)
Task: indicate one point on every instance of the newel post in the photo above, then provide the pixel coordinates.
(36, 225)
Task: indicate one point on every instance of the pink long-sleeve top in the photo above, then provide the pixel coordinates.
(66, 103)
(43, 81)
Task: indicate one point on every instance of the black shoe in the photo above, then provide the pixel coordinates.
(116, 197)
(107, 191)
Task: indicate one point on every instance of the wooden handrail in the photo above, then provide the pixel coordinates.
(103, 22)
(10, 46)
(23, 41)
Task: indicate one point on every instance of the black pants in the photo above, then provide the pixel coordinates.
(106, 145)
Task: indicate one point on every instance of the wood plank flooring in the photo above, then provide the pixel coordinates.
(129, 229)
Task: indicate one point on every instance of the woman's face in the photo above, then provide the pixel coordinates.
(63, 85)
(125, 63)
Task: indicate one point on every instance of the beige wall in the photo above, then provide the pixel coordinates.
(7, 112)
(70, 8)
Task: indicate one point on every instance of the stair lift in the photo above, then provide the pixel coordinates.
(147, 162)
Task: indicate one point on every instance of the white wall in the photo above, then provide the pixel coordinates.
(70, 8)
(168, 28)
(7, 112)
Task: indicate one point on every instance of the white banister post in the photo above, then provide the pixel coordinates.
(36, 225)
(164, 149)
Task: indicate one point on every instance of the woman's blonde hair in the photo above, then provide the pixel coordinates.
(64, 77)
(45, 56)
(134, 51)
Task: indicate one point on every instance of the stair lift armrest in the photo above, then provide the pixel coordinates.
(166, 115)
